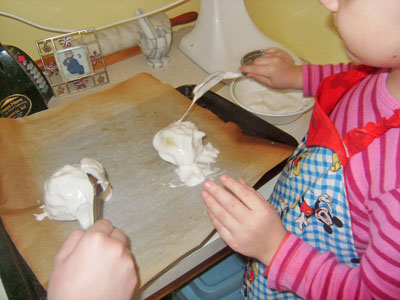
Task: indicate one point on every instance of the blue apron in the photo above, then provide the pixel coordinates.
(310, 194)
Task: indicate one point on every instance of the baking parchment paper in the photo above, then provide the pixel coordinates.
(116, 127)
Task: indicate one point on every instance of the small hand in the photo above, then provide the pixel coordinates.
(244, 220)
(93, 264)
(276, 69)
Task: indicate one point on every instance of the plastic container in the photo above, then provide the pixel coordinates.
(220, 282)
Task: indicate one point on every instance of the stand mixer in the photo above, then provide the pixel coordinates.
(223, 34)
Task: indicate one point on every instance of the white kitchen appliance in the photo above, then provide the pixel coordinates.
(223, 33)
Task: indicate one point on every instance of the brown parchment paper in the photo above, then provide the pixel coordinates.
(116, 127)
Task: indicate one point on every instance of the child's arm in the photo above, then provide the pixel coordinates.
(314, 74)
(276, 69)
(250, 226)
(245, 221)
(301, 268)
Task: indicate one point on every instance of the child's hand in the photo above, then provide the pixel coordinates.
(276, 69)
(93, 264)
(244, 220)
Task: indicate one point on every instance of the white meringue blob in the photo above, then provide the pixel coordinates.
(69, 194)
(181, 144)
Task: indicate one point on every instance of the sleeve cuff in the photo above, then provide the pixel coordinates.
(276, 253)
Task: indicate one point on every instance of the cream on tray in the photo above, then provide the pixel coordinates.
(181, 144)
(69, 194)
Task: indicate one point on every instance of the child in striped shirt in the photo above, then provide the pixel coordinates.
(331, 228)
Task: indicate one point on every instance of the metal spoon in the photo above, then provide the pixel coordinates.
(209, 82)
(97, 202)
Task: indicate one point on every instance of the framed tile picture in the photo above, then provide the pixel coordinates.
(73, 62)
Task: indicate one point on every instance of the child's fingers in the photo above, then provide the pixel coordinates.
(242, 181)
(224, 232)
(255, 192)
(219, 206)
(261, 68)
(226, 200)
(272, 50)
(243, 191)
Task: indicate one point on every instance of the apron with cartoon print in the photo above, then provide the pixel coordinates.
(310, 194)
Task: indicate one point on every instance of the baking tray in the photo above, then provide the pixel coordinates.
(249, 123)
(18, 279)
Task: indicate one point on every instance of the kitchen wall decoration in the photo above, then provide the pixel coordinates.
(73, 62)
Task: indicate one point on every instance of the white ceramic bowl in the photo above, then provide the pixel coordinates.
(277, 107)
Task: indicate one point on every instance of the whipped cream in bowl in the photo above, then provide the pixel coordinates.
(274, 106)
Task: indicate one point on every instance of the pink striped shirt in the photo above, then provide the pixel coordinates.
(373, 186)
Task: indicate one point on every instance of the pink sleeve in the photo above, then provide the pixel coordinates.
(314, 74)
(302, 269)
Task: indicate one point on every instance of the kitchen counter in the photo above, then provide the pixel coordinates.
(180, 71)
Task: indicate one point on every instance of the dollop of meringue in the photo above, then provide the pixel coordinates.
(181, 144)
(69, 194)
